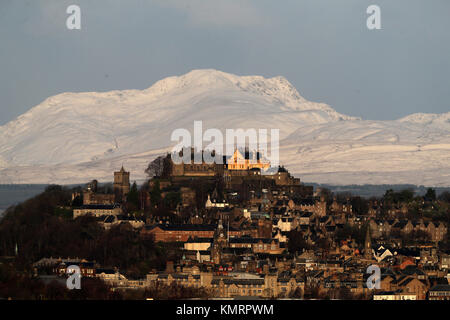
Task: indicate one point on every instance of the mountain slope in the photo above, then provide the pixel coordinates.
(370, 152)
(74, 137)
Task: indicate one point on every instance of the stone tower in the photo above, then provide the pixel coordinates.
(368, 245)
(121, 184)
(220, 242)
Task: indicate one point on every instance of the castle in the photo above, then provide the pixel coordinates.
(241, 166)
(239, 161)
(247, 161)
(92, 197)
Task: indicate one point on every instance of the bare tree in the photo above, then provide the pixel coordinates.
(160, 167)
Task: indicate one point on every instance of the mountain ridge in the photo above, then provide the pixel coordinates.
(89, 131)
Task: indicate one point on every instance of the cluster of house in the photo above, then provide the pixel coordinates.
(240, 248)
(437, 231)
(405, 274)
(409, 273)
(245, 254)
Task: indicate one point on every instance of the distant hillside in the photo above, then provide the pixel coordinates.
(14, 194)
(368, 190)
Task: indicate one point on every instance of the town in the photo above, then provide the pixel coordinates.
(227, 231)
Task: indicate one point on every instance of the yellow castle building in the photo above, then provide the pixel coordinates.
(246, 161)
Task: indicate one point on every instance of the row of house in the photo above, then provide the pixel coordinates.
(436, 230)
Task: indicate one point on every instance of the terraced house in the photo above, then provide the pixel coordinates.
(233, 284)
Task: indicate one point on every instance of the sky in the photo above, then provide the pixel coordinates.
(323, 47)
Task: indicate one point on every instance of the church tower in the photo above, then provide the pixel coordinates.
(121, 184)
(220, 242)
(368, 245)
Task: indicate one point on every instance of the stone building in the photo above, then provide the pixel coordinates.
(90, 197)
(317, 206)
(235, 284)
(181, 233)
(283, 178)
(368, 245)
(121, 184)
(97, 210)
(440, 292)
(246, 160)
(197, 166)
(219, 243)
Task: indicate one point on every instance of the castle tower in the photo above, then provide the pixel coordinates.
(121, 184)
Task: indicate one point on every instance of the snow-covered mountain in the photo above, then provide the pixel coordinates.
(75, 137)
